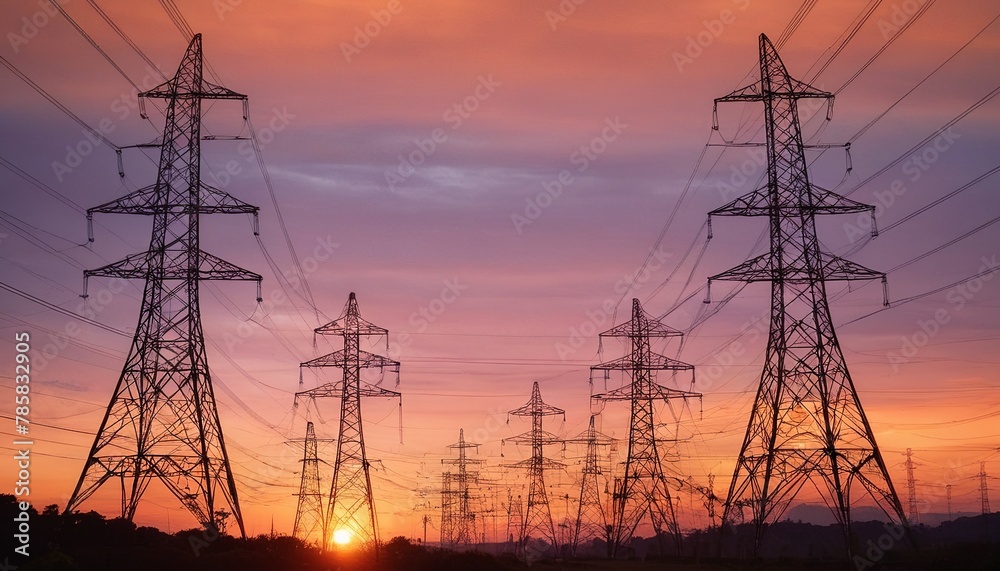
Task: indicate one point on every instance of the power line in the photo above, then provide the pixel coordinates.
(100, 136)
(916, 16)
(121, 33)
(65, 312)
(95, 45)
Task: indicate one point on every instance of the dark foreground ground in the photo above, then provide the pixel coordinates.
(88, 541)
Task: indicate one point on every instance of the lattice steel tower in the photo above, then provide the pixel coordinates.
(591, 517)
(644, 489)
(458, 518)
(807, 424)
(537, 515)
(984, 490)
(309, 515)
(911, 488)
(351, 509)
(162, 422)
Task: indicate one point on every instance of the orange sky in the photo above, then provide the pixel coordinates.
(340, 124)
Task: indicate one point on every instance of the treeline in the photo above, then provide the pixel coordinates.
(90, 542)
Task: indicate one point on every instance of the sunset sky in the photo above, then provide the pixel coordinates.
(419, 163)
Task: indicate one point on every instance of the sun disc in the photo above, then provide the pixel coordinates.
(342, 536)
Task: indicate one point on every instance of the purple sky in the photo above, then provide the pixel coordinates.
(525, 271)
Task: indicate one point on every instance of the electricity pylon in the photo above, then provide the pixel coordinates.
(448, 509)
(984, 496)
(162, 422)
(807, 424)
(515, 521)
(538, 514)
(984, 489)
(947, 491)
(309, 516)
(591, 517)
(350, 513)
(911, 488)
(458, 519)
(644, 489)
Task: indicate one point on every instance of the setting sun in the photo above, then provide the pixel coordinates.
(342, 536)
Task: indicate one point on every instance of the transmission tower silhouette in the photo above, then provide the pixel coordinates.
(591, 517)
(515, 520)
(947, 491)
(807, 424)
(351, 513)
(538, 514)
(458, 519)
(162, 422)
(911, 488)
(644, 489)
(309, 516)
(984, 489)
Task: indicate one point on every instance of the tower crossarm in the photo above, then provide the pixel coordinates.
(652, 362)
(539, 408)
(543, 463)
(774, 83)
(364, 360)
(654, 392)
(350, 322)
(172, 265)
(641, 324)
(375, 391)
(821, 201)
(191, 86)
(457, 461)
(762, 269)
(363, 328)
(543, 436)
(336, 390)
(149, 200)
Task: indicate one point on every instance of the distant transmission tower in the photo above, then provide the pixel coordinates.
(591, 517)
(448, 508)
(162, 422)
(515, 521)
(984, 489)
(807, 424)
(911, 488)
(458, 519)
(538, 515)
(947, 490)
(644, 489)
(309, 516)
(350, 513)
